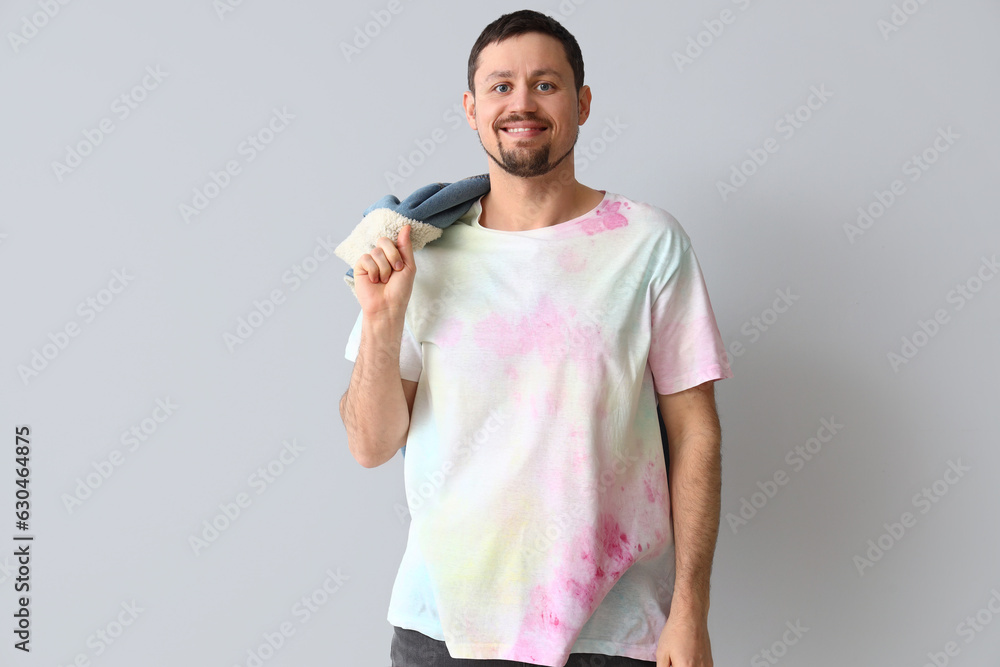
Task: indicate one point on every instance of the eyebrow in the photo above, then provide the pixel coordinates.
(538, 72)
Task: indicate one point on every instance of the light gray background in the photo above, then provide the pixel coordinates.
(163, 335)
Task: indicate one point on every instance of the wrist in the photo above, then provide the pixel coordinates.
(385, 320)
(689, 604)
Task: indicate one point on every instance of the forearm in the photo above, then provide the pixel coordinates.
(374, 408)
(695, 500)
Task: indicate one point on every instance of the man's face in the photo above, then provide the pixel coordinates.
(526, 82)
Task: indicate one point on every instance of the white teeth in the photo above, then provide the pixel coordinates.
(520, 129)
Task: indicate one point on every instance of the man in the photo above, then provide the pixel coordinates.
(521, 368)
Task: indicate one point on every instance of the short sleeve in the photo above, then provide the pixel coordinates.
(686, 348)
(411, 361)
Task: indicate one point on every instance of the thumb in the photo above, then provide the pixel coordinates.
(405, 246)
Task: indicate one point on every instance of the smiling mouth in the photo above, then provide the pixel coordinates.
(522, 132)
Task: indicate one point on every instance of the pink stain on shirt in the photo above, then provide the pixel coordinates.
(571, 261)
(497, 334)
(541, 329)
(541, 625)
(552, 404)
(578, 445)
(555, 335)
(451, 331)
(577, 588)
(613, 552)
(653, 480)
(607, 217)
(615, 542)
(547, 407)
(597, 558)
(586, 591)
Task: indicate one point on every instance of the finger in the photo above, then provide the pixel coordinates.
(405, 245)
(383, 264)
(391, 253)
(366, 266)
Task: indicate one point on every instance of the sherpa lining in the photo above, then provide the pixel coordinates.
(381, 222)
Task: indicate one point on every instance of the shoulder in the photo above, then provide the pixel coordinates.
(658, 224)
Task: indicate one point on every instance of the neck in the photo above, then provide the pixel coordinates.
(519, 204)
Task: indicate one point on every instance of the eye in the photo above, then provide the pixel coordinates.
(544, 83)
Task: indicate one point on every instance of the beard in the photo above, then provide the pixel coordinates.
(527, 162)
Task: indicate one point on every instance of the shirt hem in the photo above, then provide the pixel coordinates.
(596, 646)
(493, 651)
(695, 378)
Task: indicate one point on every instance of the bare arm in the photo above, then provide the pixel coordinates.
(694, 437)
(377, 405)
(376, 408)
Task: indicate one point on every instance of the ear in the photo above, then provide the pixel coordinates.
(584, 104)
(469, 102)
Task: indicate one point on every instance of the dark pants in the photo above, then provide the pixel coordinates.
(415, 649)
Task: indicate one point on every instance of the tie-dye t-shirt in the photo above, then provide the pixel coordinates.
(534, 468)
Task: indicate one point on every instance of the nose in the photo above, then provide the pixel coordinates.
(522, 99)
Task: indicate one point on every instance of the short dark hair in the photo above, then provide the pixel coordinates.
(518, 23)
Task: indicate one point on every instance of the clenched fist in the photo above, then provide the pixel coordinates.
(383, 278)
